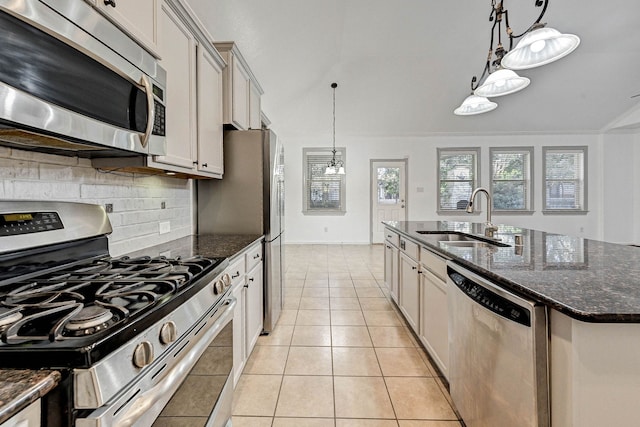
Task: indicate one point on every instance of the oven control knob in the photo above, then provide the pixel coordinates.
(218, 287)
(143, 354)
(226, 279)
(168, 333)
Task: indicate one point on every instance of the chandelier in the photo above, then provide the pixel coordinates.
(539, 45)
(334, 166)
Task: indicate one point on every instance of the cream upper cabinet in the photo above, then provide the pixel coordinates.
(210, 153)
(178, 49)
(255, 120)
(241, 90)
(138, 18)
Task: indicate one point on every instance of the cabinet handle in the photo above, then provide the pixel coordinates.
(204, 165)
(414, 268)
(111, 3)
(195, 163)
(402, 244)
(256, 256)
(233, 276)
(251, 279)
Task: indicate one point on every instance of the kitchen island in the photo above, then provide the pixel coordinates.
(592, 290)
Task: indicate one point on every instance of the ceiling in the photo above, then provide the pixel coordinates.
(402, 67)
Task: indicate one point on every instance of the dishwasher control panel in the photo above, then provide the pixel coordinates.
(490, 300)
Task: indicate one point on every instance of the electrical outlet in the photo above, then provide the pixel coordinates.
(108, 207)
(165, 227)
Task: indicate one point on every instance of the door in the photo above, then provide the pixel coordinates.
(388, 195)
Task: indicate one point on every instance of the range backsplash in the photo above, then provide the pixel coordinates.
(137, 200)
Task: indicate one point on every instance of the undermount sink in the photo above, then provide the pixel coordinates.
(460, 239)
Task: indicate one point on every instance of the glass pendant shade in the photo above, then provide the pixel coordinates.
(330, 170)
(501, 82)
(341, 170)
(540, 47)
(474, 105)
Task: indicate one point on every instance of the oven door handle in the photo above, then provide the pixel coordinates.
(151, 110)
(172, 379)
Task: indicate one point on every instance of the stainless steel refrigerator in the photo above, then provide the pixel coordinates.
(250, 199)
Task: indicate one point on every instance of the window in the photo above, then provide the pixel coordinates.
(457, 177)
(511, 179)
(323, 194)
(565, 179)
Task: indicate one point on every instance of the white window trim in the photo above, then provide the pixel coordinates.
(342, 155)
(530, 181)
(475, 183)
(585, 160)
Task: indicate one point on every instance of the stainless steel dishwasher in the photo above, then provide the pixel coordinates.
(498, 373)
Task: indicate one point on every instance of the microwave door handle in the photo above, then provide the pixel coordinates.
(174, 377)
(144, 81)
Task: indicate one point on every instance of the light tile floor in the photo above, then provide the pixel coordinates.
(341, 355)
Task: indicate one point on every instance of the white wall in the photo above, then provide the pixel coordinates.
(422, 172)
(621, 187)
(136, 198)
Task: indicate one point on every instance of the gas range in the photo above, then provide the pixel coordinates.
(78, 314)
(109, 324)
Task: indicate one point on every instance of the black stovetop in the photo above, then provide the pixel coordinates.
(72, 316)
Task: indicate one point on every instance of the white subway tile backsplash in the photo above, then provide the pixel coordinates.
(136, 198)
(42, 190)
(10, 169)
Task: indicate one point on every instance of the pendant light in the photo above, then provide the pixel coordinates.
(334, 166)
(474, 104)
(501, 82)
(539, 46)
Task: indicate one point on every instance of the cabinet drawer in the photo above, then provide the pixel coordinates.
(392, 237)
(236, 270)
(410, 248)
(253, 257)
(434, 263)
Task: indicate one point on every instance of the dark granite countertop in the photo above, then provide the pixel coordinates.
(588, 280)
(21, 387)
(207, 245)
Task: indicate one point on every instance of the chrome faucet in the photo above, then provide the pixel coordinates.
(489, 228)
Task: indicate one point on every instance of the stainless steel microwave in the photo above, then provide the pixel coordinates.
(72, 83)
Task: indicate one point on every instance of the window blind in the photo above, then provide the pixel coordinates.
(565, 178)
(322, 193)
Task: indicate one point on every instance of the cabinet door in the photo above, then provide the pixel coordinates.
(395, 275)
(178, 49)
(254, 306)
(255, 121)
(240, 96)
(210, 155)
(138, 18)
(409, 290)
(434, 321)
(28, 417)
(239, 354)
(391, 270)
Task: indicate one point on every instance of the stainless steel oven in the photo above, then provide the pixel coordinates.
(139, 341)
(72, 83)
